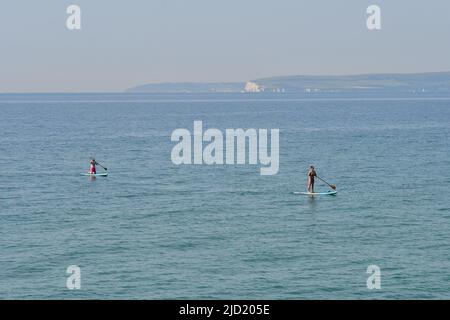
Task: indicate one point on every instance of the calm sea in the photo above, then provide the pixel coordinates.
(154, 230)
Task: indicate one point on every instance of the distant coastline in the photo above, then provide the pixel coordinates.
(432, 82)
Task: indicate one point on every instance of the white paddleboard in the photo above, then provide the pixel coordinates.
(329, 193)
(104, 174)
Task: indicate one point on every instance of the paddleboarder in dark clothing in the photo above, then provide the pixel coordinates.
(311, 175)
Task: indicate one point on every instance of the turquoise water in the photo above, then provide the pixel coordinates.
(153, 230)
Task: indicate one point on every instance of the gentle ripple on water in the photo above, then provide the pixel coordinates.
(154, 230)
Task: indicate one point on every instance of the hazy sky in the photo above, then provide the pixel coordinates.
(127, 43)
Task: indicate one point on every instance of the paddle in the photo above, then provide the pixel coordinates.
(332, 186)
(106, 169)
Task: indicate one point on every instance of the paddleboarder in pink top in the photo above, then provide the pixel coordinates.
(93, 170)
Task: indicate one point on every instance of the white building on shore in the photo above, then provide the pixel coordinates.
(252, 87)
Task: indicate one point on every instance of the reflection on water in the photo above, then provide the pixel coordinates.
(312, 203)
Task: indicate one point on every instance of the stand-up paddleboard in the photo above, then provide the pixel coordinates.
(329, 193)
(104, 174)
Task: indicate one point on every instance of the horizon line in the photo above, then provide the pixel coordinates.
(125, 90)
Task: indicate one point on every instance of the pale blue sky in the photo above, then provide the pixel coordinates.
(127, 43)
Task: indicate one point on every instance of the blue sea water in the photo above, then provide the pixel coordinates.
(154, 230)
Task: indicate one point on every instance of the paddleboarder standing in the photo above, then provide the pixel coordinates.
(311, 175)
(93, 170)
